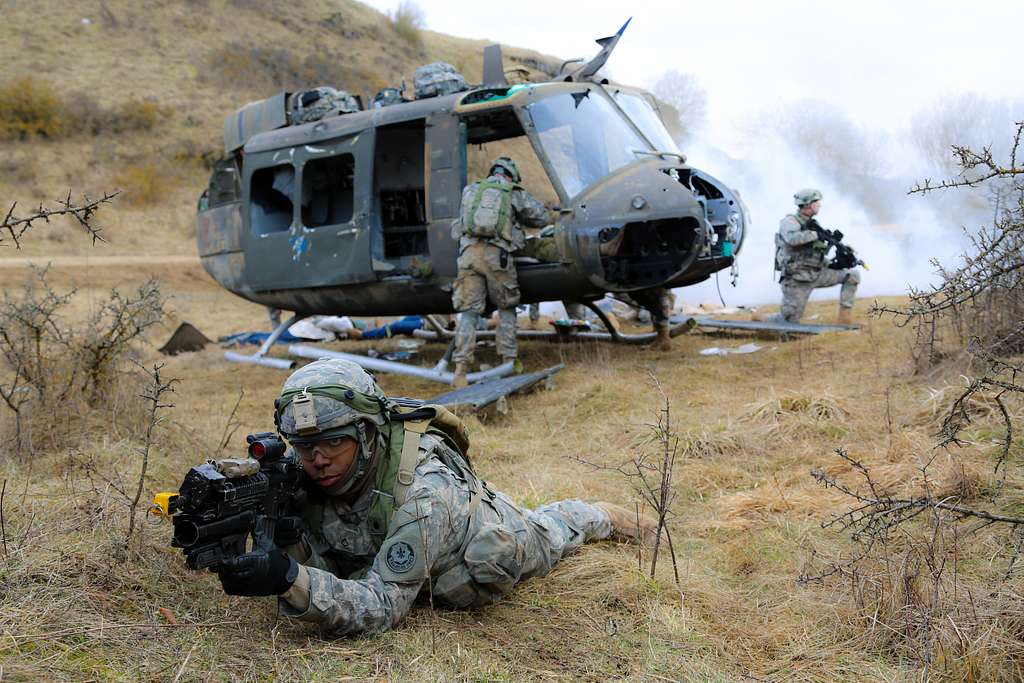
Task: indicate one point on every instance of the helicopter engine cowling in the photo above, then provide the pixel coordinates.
(636, 229)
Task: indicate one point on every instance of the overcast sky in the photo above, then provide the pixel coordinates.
(881, 61)
(877, 63)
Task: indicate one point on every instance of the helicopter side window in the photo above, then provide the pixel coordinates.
(327, 190)
(271, 192)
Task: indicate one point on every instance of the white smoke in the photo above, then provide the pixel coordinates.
(896, 234)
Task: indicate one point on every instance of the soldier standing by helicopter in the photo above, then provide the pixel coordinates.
(801, 246)
(494, 211)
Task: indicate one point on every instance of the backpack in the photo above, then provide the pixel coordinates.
(436, 79)
(780, 254)
(312, 105)
(488, 214)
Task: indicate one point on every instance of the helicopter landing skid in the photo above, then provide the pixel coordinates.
(680, 327)
(261, 357)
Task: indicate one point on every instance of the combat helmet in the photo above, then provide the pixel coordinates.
(508, 166)
(332, 398)
(806, 196)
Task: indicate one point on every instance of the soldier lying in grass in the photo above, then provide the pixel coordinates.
(389, 501)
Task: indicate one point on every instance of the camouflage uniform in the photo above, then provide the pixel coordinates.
(804, 269)
(658, 301)
(487, 270)
(354, 581)
(468, 543)
(574, 310)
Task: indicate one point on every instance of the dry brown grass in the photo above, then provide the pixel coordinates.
(745, 514)
(75, 606)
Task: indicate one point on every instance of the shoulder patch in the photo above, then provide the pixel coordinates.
(401, 557)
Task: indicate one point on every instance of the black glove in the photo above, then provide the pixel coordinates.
(821, 232)
(287, 531)
(258, 573)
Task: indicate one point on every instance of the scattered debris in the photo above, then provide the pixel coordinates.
(724, 351)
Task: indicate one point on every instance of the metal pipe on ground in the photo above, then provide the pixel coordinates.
(268, 361)
(394, 367)
(260, 357)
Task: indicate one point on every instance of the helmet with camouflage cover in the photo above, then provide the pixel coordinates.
(806, 196)
(328, 399)
(508, 166)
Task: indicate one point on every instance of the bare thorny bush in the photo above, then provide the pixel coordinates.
(58, 378)
(650, 473)
(906, 573)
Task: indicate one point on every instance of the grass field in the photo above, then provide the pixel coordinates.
(76, 604)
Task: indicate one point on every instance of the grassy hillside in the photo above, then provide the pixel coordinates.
(184, 66)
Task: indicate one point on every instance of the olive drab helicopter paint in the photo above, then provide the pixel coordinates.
(339, 217)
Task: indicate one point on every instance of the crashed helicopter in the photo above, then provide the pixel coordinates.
(352, 214)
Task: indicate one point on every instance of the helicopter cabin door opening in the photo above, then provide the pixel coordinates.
(498, 132)
(400, 192)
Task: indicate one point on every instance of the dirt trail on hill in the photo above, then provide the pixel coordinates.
(98, 261)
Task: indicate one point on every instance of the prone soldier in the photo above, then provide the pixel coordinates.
(389, 501)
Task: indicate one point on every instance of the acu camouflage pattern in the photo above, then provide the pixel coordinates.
(360, 583)
(525, 210)
(487, 271)
(436, 79)
(801, 259)
(331, 414)
(658, 301)
(318, 103)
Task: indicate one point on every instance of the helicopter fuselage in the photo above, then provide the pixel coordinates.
(353, 214)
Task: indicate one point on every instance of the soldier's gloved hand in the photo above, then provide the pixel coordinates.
(820, 245)
(287, 531)
(258, 573)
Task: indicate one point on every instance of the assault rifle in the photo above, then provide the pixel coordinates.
(220, 504)
(845, 257)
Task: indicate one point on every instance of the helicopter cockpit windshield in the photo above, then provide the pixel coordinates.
(584, 136)
(640, 112)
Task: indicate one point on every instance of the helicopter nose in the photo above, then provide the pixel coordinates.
(638, 229)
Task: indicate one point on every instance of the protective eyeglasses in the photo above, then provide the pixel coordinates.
(328, 448)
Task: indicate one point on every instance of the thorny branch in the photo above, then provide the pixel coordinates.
(653, 481)
(875, 514)
(231, 425)
(153, 395)
(83, 212)
(878, 513)
(978, 306)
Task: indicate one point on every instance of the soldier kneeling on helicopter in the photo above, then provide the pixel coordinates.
(390, 502)
(801, 246)
(490, 229)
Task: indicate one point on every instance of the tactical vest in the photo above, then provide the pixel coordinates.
(489, 214)
(789, 259)
(410, 420)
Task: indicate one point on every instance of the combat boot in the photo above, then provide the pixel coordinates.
(460, 381)
(845, 316)
(628, 526)
(663, 342)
